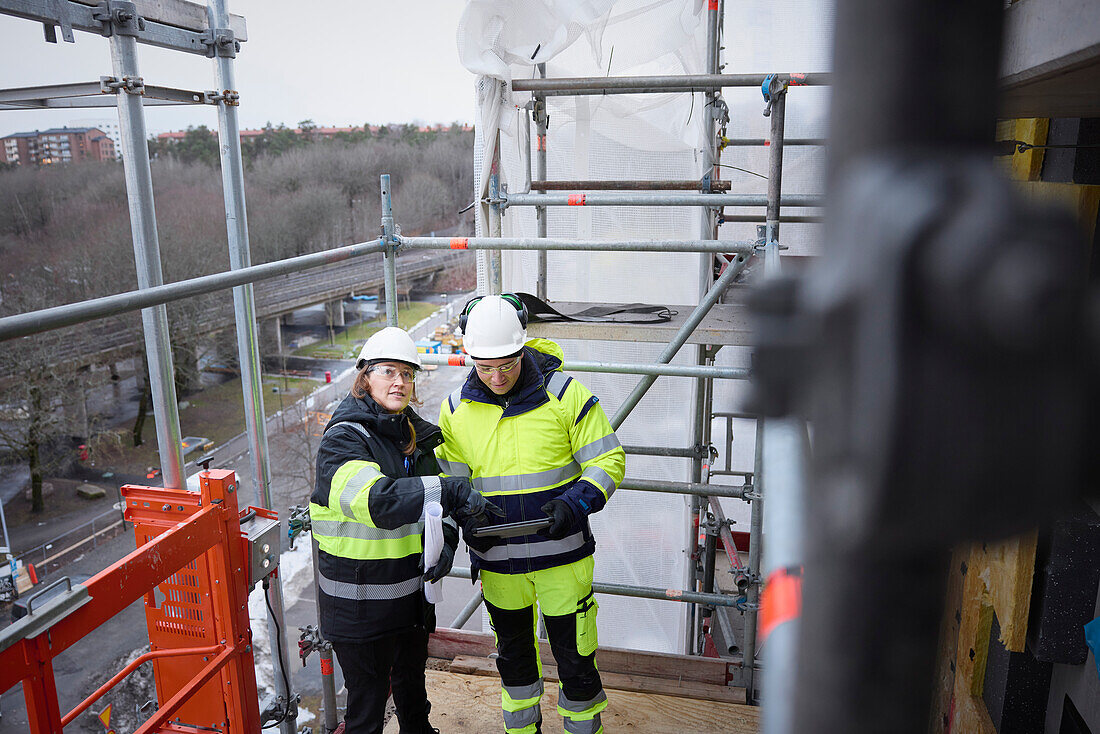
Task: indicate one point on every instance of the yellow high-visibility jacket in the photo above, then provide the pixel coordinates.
(549, 439)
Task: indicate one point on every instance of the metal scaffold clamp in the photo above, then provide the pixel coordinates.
(310, 641)
(119, 17)
(221, 42)
(298, 522)
(231, 97)
(61, 9)
(762, 239)
(772, 88)
(127, 84)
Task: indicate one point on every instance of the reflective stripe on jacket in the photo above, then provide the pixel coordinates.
(367, 514)
(551, 440)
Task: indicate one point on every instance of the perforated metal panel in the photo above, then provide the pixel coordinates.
(201, 605)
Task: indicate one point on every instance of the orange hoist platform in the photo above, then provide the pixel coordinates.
(197, 558)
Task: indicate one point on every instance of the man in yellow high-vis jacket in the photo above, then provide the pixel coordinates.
(537, 443)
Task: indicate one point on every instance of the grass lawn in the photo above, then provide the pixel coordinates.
(350, 340)
(216, 413)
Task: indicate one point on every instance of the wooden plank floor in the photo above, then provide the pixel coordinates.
(470, 704)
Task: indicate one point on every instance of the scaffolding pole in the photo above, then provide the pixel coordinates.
(388, 242)
(659, 451)
(741, 247)
(494, 262)
(757, 219)
(631, 185)
(143, 226)
(666, 370)
(777, 109)
(244, 313)
(694, 489)
(179, 26)
(57, 317)
(568, 86)
(649, 199)
(752, 592)
(643, 592)
(709, 231)
(468, 610)
(786, 454)
(540, 171)
(755, 142)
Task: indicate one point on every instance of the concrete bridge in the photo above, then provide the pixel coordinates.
(105, 341)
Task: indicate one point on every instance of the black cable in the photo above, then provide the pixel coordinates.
(744, 170)
(279, 649)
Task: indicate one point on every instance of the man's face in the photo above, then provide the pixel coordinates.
(499, 375)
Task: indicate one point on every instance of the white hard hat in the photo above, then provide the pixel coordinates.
(390, 343)
(494, 327)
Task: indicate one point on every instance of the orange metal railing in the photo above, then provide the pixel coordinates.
(191, 565)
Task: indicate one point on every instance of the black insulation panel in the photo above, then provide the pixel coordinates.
(1067, 569)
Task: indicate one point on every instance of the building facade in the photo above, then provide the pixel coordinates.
(107, 125)
(57, 145)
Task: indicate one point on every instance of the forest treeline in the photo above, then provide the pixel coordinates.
(65, 237)
(65, 230)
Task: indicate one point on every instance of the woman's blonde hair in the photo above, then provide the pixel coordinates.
(361, 389)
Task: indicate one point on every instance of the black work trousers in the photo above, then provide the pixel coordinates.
(372, 668)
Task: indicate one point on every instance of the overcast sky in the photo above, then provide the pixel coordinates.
(345, 62)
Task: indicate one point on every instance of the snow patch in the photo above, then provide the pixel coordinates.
(296, 574)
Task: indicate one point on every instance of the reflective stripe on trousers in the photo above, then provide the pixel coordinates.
(520, 705)
(581, 717)
(584, 726)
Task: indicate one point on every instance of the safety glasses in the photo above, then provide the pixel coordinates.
(390, 373)
(504, 369)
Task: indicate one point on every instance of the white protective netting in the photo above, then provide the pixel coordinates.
(642, 538)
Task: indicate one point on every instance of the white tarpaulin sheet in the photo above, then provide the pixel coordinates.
(642, 538)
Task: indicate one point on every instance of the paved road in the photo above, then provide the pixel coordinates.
(289, 486)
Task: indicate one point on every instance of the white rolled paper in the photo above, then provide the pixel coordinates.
(433, 547)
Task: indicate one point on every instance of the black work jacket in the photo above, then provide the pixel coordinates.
(363, 593)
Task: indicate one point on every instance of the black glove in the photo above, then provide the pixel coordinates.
(479, 544)
(563, 521)
(462, 501)
(446, 556)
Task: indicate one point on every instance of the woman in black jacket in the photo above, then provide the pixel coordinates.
(376, 472)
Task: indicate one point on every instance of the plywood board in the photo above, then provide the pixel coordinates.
(449, 643)
(470, 704)
(969, 712)
(619, 681)
(944, 687)
(725, 323)
(1007, 569)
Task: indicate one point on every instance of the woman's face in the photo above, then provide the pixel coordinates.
(391, 385)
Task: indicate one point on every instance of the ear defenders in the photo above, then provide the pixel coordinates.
(511, 298)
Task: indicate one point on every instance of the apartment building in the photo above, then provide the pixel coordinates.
(57, 145)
